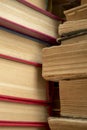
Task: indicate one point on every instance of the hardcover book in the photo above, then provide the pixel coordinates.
(21, 112)
(20, 66)
(19, 15)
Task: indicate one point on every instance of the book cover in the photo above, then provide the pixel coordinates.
(65, 61)
(73, 98)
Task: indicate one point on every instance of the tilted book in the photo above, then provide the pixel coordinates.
(67, 124)
(65, 61)
(19, 15)
(20, 66)
(73, 98)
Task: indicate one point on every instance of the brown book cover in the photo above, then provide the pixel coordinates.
(65, 61)
(73, 98)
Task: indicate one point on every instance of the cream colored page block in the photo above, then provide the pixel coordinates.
(21, 14)
(22, 80)
(65, 61)
(67, 124)
(39, 3)
(21, 47)
(22, 112)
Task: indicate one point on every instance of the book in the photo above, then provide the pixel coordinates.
(20, 66)
(76, 13)
(21, 46)
(71, 26)
(67, 124)
(73, 98)
(21, 112)
(83, 2)
(36, 23)
(65, 61)
(73, 37)
(42, 4)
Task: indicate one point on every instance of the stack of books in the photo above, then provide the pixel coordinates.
(67, 64)
(25, 29)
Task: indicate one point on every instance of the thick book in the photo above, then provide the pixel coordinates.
(20, 66)
(65, 61)
(21, 46)
(22, 112)
(70, 26)
(19, 15)
(73, 37)
(76, 13)
(67, 124)
(73, 98)
(42, 4)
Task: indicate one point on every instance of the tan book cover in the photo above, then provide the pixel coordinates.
(12, 111)
(67, 124)
(65, 61)
(70, 26)
(73, 98)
